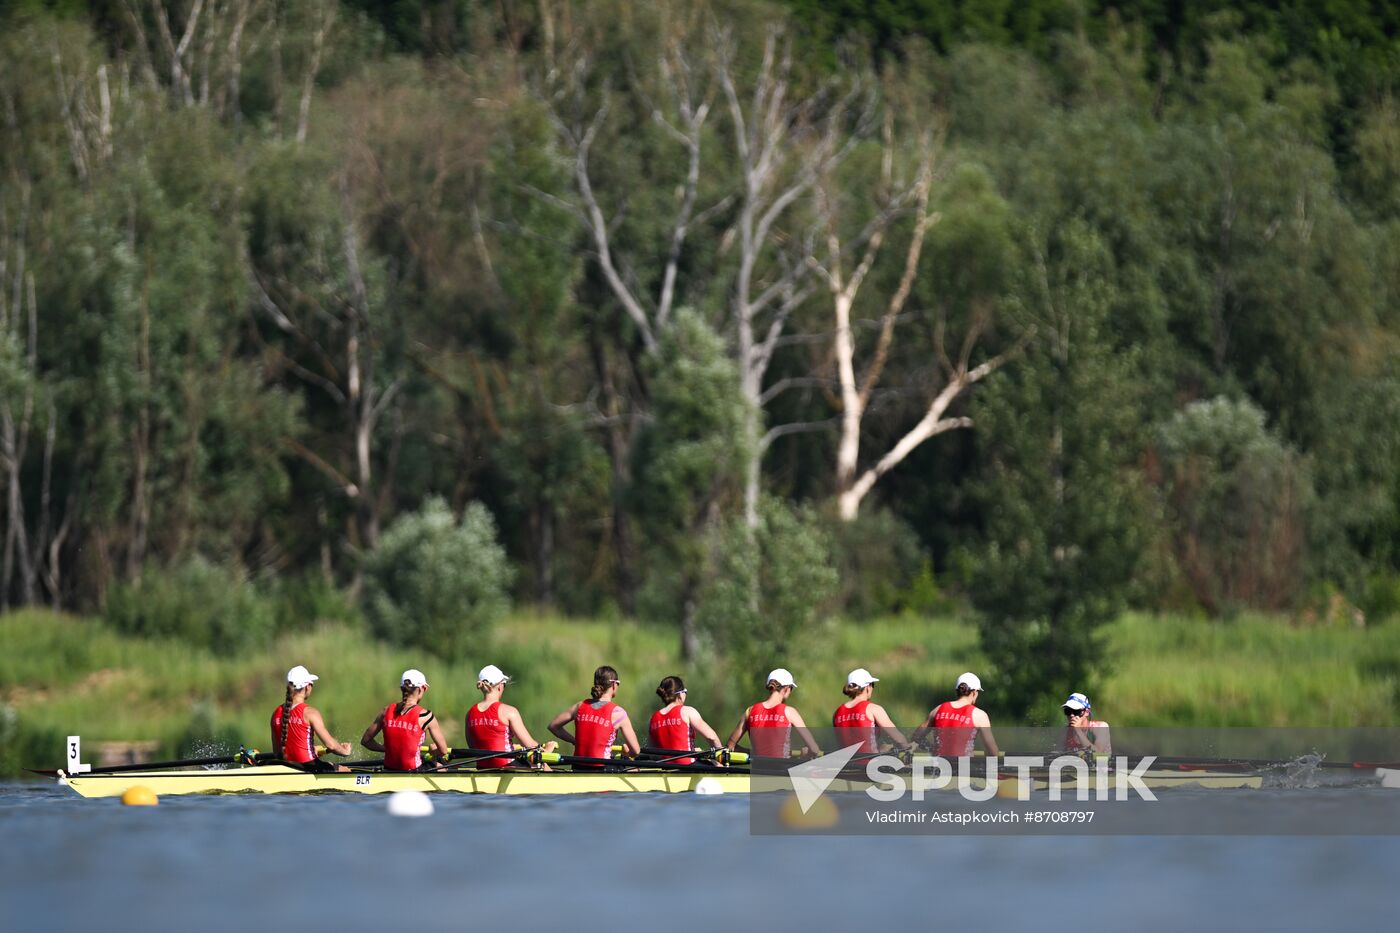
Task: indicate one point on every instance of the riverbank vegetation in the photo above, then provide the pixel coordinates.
(61, 675)
(744, 325)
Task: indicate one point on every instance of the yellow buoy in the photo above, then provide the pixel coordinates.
(822, 814)
(139, 796)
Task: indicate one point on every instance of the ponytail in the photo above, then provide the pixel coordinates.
(405, 689)
(603, 678)
(852, 691)
(671, 689)
(964, 690)
(773, 686)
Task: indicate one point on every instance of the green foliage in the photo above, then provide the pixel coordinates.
(206, 736)
(688, 461)
(437, 584)
(309, 600)
(1237, 502)
(207, 605)
(1381, 601)
(878, 560)
(768, 590)
(1062, 505)
(204, 358)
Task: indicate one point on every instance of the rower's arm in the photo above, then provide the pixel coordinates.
(634, 748)
(556, 726)
(313, 719)
(738, 732)
(882, 719)
(984, 726)
(511, 715)
(440, 749)
(702, 728)
(808, 739)
(918, 737)
(370, 739)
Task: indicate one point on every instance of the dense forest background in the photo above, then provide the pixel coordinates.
(726, 315)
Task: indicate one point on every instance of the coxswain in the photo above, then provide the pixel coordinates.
(1083, 733)
(492, 724)
(295, 725)
(859, 720)
(675, 725)
(769, 724)
(403, 725)
(597, 721)
(956, 723)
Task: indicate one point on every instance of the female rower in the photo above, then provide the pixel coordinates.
(597, 721)
(859, 720)
(294, 724)
(770, 723)
(674, 725)
(403, 724)
(491, 723)
(1083, 733)
(957, 722)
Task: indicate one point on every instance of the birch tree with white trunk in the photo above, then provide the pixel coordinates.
(858, 380)
(784, 144)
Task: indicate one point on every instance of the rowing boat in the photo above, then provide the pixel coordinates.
(281, 779)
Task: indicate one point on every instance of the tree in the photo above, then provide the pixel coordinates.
(1060, 500)
(688, 465)
(766, 589)
(1237, 500)
(436, 583)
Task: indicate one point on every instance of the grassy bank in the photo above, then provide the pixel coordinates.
(60, 674)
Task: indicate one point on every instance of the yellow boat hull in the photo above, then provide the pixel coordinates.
(276, 779)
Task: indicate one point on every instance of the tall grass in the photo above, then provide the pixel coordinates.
(61, 674)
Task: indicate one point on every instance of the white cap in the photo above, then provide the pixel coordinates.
(299, 677)
(971, 680)
(1076, 701)
(493, 675)
(782, 675)
(860, 677)
(414, 678)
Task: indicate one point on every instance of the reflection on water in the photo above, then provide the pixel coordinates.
(252, 863)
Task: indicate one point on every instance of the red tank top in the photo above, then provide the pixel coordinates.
(670, 730)
(955, 731)
(296, 736)
(594, 730)
(486, 730)
(403, 738)
(769, 730)
(853, 725)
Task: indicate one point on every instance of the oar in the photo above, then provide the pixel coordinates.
(1222, 764)
(653, 753)
(243, 756)
(640, 764)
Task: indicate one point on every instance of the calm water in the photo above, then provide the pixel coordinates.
(636, 862)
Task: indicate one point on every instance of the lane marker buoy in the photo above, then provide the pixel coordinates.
(410, 803)
(139, 796)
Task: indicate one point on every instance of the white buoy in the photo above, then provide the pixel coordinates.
(1390, 777)
(410, 803)
(708, 786)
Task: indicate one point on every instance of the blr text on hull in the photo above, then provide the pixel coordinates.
(279, 779)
